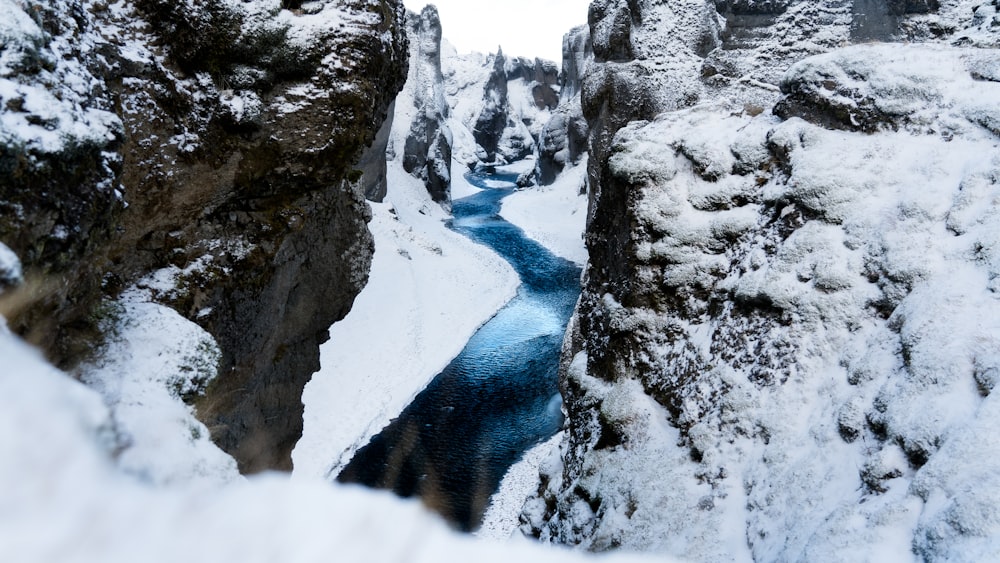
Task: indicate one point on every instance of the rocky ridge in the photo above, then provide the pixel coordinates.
(202, 153)
(784, 349)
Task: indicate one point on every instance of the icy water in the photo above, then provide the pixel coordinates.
(498, 398)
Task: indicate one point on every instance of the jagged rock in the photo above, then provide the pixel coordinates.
(542, 78)
(564, 138)
(427, 148)
(220, 145)
(493, 117)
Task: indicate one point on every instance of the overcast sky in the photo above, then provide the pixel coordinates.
(531, 28)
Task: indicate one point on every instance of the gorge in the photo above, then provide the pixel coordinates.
(225, 223)
(498, 397)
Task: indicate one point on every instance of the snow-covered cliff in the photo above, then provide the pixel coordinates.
(787, 344)
(499, 106)
(201, 153)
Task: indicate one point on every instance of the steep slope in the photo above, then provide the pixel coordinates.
(787, 343)
(202, 152)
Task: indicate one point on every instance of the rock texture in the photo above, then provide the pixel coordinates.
(785, 346)
(564, 138)
(204, 151)
(427, 148)
(494, 115)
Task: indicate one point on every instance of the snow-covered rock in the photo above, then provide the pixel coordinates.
(427, 145)
(11, 272)
(153, 364)
(217, 138)
(563, 140)
(499, 107)
(786, 344)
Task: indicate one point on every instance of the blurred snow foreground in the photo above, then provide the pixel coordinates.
(64, 498)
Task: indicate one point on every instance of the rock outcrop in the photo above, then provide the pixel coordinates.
(204, 151)
(493, 117)
(563, 140)
(427, 148)
(785, 348)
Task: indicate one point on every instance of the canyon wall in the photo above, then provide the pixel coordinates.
(786, 346)
(427, 147)
(204, 152)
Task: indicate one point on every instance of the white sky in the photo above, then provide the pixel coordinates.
(531, 28)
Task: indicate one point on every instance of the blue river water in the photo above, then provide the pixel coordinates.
(498, 397)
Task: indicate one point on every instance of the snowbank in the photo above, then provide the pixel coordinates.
(428, 292)
(152, 360)
(503, 514)
(554, 215)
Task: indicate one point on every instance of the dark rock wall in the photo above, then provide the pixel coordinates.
(234, 148)
(492, 119)
(373, 167)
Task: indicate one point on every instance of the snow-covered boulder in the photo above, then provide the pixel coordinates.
(864, 89)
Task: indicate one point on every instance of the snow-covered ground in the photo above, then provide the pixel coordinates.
(554, 215)
(503, 515)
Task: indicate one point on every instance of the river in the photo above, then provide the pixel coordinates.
(499, 397)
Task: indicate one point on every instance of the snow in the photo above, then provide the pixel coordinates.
(153, 358)
(47, 90)
(10, 268)
(555, 215)
(428, 291)
(460, 187)
(521, 481)
(64, 500)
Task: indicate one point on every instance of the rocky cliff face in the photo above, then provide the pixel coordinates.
(786, 345)
(427, 148)
(204, 152)
(564, 138)
(493, 116)
(508, 125)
